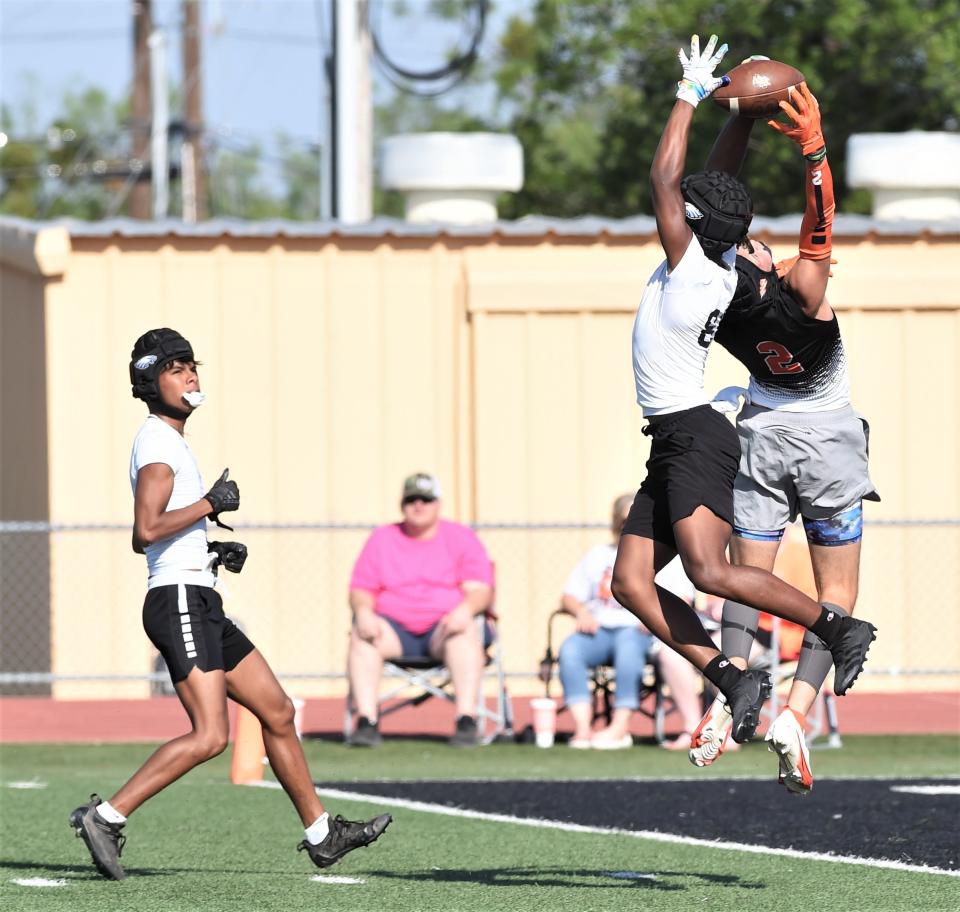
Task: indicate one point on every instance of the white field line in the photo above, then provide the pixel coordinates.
(335, 879)
(927, 789)
(573, 780)
(38, 882)
(652, 835)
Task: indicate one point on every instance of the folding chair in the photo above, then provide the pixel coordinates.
(424, 678)
(654, 703)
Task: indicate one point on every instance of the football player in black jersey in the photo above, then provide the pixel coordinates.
(804, 448)
(685, 503)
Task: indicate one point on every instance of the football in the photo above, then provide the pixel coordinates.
(757, 87)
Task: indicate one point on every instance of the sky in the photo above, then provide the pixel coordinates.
(261, 58)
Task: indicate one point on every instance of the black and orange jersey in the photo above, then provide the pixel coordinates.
(796, 362)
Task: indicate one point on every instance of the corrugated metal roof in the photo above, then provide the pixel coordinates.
(531, 226)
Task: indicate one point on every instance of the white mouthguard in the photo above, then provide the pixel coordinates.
(194, 398)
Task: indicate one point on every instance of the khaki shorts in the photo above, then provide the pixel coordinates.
(811, 464)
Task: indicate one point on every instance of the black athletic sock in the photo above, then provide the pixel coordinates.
(815, 660)
(722, 673)
(828, 626)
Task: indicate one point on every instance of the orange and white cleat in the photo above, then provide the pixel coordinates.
(712, 734)
(785, 738)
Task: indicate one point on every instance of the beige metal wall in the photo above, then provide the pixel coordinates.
(335, 366)
(557, 431)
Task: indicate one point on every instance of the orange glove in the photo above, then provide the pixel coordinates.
(806, 131)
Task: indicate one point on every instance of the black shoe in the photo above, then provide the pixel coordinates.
(344, 836)
(366, 734)
(849, 651)
(104, 840)
(466, 734)
(745, 701)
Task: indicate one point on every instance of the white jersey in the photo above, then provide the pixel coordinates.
(678, 317)
(589, 584)
(183, 557)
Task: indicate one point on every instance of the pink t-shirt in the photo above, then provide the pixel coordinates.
(417, 581)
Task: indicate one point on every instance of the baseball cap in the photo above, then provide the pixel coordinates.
(421, 485)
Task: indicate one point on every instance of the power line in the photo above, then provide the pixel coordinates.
(270, 37)
(455, 70)
(81, 35)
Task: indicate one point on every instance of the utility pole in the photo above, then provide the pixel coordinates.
(193, 177)
(328, 118)
(352, 152)
(332, 151)
(160, 125)
(140, 107)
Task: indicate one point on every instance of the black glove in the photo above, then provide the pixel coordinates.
(231, 554)
(224, 496)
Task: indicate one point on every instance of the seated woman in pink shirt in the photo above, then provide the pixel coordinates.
(416, 589)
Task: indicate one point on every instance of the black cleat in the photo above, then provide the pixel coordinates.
(849, 651)
(344, 836)
(104, 840)
(745, 700)
(467, 734)
(366, 734)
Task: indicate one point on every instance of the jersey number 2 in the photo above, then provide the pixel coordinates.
(779, 360)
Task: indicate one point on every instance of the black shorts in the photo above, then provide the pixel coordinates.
(187, 624)
(693, 462)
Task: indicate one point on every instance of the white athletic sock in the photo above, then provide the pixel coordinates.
(317, 831)
(109, 813)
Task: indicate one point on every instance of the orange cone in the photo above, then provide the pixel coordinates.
(248, 750)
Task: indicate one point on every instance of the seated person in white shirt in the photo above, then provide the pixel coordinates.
(608, 634)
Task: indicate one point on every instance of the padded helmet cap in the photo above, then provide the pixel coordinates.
(719, 208)
(151, 352)
(755, 287)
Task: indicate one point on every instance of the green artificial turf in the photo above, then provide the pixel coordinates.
(204, 844)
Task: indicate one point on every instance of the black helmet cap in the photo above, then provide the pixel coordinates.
(151, 352)
(755, 288)
(719, 208)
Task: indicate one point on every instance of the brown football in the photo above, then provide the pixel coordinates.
(757, 87)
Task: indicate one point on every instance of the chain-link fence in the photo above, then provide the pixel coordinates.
(70, 598)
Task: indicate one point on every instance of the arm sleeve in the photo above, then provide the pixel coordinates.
(366, 571)
(816, 232)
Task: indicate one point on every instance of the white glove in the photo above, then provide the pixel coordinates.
(698, 79)
(728, 399)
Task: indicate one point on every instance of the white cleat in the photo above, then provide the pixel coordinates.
(785, 739)
(713, 732)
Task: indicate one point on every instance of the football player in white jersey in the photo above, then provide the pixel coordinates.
(208, 657)
(685, 504)
(804, 446)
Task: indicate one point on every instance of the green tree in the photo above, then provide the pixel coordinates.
(79, 165)
(591, 83)
(65, 170)
(300, 173)
(237, 188)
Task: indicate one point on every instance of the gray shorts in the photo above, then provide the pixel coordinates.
(812, 464)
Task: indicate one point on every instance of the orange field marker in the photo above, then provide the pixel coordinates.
(249, 753)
